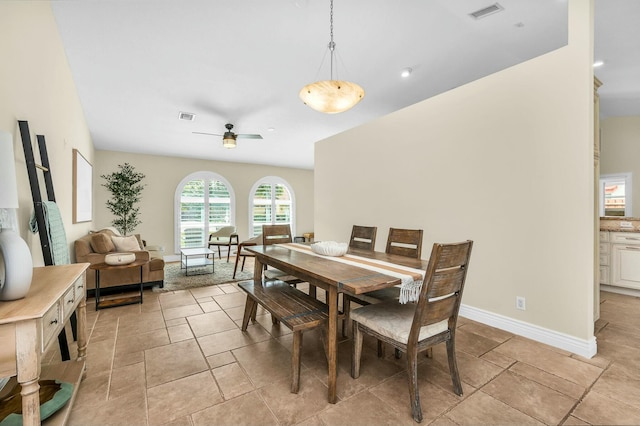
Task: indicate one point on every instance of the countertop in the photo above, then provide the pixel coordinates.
(612, 224)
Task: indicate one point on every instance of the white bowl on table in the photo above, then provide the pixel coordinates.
(119, 258)
(330, 248)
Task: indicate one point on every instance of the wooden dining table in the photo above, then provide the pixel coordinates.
(334, 277)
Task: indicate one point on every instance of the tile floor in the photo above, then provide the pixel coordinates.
(181, 359)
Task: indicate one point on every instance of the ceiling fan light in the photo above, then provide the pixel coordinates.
(331, 96)
(229, 142)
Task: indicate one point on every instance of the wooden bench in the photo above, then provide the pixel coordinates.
(290, 306)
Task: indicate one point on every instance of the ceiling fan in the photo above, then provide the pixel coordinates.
(229, 138)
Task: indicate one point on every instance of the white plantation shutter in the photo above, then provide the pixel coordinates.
(202, 212)
(192, 214)
(271, 203)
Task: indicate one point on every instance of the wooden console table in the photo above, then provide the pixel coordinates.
(28, 326)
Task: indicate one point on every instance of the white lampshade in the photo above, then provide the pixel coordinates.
(8, 186)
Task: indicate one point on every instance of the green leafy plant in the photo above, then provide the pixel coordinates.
(126, 190)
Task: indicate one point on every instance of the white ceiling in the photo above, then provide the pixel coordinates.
(137, 64)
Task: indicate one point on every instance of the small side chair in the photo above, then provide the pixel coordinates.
(225, 236)
(255, 241)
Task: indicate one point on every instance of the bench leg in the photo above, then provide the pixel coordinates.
(249, 312)
(295, 361)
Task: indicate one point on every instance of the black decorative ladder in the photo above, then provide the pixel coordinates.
(39, 211)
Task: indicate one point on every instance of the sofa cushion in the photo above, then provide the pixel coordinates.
(101, 243)
(129, 243)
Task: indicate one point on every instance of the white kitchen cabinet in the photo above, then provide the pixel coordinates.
(625, 259)
(605, 257)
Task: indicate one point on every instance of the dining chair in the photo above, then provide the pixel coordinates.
(363, 237)
(402, 242)
(405, 242)
(225, 236)
(415, 327)
(278, 234)
(255, 241)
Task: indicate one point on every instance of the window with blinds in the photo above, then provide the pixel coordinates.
(272, 203)
(203, 211)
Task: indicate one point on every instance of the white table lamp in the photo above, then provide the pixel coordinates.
(16, 264)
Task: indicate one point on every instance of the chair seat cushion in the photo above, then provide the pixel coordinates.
(393, 320)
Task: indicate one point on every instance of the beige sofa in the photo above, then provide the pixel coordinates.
(93, 247)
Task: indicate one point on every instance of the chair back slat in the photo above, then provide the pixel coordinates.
(363, 237)
(276, 234)
(452, 256)
(445, 282)
(439, 310)
(442, 288)
(405, 242)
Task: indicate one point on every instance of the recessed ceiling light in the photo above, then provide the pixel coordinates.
(186, 116)
(271, 129)
(598, 64)
(406, 72)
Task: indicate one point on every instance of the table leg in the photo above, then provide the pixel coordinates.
(97, 288)
(81, 313)
(141, 283)
(332, 342)
(28, 367)
(257, 272)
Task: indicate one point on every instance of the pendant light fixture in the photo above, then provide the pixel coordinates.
(331, 96)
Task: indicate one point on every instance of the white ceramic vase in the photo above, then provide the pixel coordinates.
(16, 266)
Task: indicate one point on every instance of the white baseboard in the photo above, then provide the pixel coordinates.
(585, 348)
(620, 290)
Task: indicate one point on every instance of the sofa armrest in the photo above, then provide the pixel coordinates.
(142, 255)
(93, 258)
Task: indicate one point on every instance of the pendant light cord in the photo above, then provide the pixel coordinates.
(332, 45)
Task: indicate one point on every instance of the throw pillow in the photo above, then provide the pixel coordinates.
(140, 241)
(101, 243)
(129, 243)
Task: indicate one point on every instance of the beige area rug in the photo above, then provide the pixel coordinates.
(175, 278)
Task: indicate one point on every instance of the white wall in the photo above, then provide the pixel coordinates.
(162, 176)
(506, 161)
(620, 151)
(36, 86)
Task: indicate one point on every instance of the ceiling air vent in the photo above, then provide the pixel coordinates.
(486, 11)
(186, 116)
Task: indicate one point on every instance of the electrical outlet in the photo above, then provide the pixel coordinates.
(520, 303)
(625, 224)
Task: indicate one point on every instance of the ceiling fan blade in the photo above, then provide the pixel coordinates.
(202, 133)
(249, 136)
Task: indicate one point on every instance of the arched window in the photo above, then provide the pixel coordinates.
(204, 202)
(271, 201)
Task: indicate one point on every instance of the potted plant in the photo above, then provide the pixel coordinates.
(126, 190)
